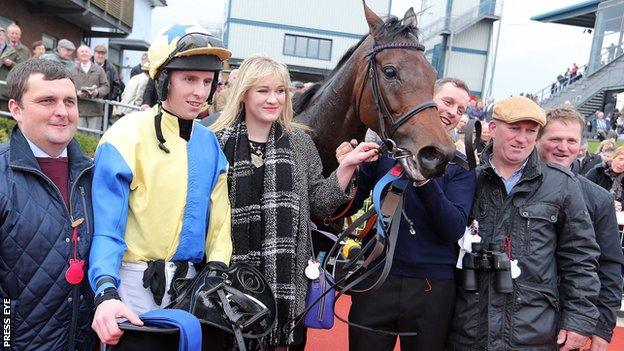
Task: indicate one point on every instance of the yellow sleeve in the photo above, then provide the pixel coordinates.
(219, 238)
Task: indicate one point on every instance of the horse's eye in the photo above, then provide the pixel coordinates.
(390, 72)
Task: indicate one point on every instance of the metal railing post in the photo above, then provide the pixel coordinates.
(105, 119)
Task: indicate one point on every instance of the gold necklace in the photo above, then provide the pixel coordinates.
(257, 154)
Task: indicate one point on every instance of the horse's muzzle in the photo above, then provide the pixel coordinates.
(432, 161)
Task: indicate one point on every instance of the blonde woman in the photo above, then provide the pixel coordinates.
(274, 183)
(611, 176)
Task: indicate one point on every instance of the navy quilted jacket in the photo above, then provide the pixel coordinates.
(35, 247)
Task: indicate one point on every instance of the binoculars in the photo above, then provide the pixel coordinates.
(491, 260)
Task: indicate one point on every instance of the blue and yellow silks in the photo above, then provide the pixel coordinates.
(151, 205)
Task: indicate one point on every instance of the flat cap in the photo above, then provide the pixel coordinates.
(66, 44)
(519, 108)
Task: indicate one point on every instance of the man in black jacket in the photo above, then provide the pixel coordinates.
(528, 213)
(115, 83)
(46, 219)
(559, 143)
(585, 160)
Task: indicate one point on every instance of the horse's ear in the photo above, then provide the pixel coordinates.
(375, 24)
(410, 20)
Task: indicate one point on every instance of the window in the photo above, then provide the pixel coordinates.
(308, 47)
(49, 41)
(5, 22)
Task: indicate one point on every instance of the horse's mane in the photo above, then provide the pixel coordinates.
(394, 28)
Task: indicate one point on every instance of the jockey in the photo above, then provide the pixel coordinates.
(161, 197)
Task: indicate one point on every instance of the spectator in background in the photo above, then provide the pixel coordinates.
(137, 69)
(601, 127)
(561, 80)
(489, 107)
(607, 155)
(149, 96)
(38, 49)
(63, 53)
(114, 82)
(2, 40)
(299, 89)
(485, 139)
(472, 104)
(611, 177)
(90, 81)
(477, 112)
(13, 53)
(133, 93)
(585, 160)
(574, 71)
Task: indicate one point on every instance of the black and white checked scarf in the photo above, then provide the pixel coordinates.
(276, 216)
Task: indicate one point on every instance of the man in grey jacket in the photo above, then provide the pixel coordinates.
(559, 142)
(533, 213)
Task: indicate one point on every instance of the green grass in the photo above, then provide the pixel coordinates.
(592, 145)
(88, 143)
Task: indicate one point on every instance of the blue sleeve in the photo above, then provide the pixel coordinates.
(448, 210)
(110, 191)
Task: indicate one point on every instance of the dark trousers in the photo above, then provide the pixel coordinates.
(401, 304)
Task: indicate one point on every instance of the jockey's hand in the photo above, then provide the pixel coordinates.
(105, 323)
(598, 343)
(570, 340)
(344, 148)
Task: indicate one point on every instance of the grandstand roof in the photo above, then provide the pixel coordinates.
(581, 15)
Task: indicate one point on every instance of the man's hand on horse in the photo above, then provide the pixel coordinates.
(344, 148)
(105, 323)
(598, 344)
(569, 340)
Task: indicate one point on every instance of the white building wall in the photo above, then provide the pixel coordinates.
(335, 15)
(468, 67)
(259, 26)
(476, 37)
(462, 6)
(247, 39)
(431, 11)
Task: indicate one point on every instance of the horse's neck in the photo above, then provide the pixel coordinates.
(331, 115)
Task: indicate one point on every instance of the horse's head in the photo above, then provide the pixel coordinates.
(395, 96)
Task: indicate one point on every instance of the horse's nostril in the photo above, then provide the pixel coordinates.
(431, 157)
(432, 161)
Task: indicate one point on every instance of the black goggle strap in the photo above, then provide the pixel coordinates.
(158, 128)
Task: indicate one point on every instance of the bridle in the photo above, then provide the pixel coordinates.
(383, 113)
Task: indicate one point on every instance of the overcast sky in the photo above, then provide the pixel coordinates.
(530, 54)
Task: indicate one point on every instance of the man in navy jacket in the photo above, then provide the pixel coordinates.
(46, 220)
(419, 292)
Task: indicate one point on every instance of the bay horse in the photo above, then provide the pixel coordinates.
(386, 84)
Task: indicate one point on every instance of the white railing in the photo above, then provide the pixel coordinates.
(458, 23)
(606, 57)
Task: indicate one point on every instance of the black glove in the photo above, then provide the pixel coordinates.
(154, 279)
